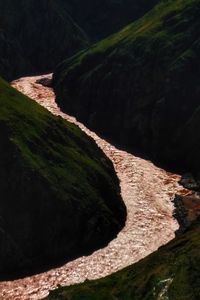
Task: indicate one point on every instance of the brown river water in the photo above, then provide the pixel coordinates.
(147, 191)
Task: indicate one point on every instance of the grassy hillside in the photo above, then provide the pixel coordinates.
(59, 192)
(171, 273)
(36, 36)
(140, 86)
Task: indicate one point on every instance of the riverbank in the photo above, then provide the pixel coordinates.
(148, 192)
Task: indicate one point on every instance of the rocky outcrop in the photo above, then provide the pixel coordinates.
(140, 87)
(180, 213)
(60, 196)
(191, 182)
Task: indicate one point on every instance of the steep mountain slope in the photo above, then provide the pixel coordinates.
(170, 273)
(59, 194)
(35, 36)
(99, 18)
(141, 85)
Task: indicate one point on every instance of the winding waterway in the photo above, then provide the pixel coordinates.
(147, 191)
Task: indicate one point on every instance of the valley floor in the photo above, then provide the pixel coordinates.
(147, 191)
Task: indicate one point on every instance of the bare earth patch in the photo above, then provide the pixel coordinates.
(147, 191)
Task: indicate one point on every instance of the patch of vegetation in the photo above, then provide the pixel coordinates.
(172, 272)
(59, 195)
(140, 86)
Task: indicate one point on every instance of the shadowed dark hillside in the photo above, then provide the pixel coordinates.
(170, 273)
(140, 86)
(59, 195)
(100, 18)
(35, 36)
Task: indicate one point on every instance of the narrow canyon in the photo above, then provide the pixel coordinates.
(148, 192)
